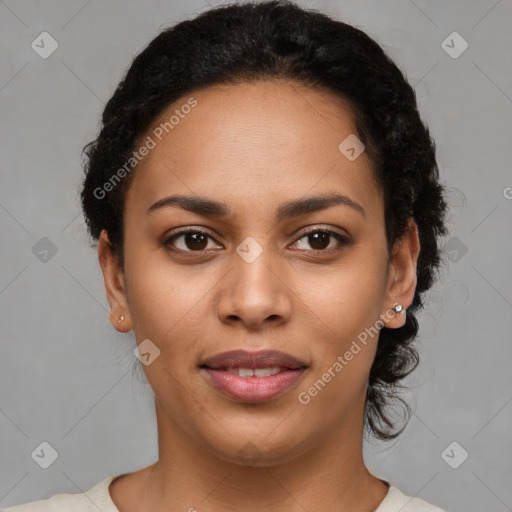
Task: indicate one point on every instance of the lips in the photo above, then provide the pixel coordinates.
(253, 360)
(253, 376)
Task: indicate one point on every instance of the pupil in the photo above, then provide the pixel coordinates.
(195, 241)
(319, 240)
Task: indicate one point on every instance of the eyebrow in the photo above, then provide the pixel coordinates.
(208, 207)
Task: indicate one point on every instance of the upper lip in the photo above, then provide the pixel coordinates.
(253, 360)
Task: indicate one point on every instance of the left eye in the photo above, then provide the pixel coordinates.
(320, 239)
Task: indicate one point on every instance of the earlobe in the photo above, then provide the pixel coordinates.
(402, 277)
(113, 278)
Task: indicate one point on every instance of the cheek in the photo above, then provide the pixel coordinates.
(345, 348)
(345, 306)
(155, 295)
(165, 308)
(332, 396)
(347, 298)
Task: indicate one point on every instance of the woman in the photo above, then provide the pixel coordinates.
(267, 207)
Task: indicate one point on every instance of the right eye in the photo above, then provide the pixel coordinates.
(189, 240)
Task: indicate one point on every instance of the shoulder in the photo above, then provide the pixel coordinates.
(57, 503)
(96, 498)
(396, 501)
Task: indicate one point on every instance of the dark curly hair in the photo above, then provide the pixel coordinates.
(272, 40)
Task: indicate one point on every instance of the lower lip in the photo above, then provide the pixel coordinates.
(253, 389)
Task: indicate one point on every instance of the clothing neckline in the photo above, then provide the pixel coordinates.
(100, 494)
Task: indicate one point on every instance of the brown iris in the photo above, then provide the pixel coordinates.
(196, 241)
(319, 240)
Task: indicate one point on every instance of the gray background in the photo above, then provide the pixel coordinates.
(68, 378)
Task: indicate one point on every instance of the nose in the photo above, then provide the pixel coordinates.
(255, 294)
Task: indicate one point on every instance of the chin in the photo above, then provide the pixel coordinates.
(259, 445)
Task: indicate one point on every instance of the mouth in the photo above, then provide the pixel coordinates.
(253, 377)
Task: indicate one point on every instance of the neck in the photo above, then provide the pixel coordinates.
(325, 474)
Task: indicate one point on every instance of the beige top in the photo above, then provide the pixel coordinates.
(97, 498)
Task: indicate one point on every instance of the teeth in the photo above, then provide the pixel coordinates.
(266, 372)
(263, 372)
(258, 372)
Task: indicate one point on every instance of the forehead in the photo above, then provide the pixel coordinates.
(255, 142)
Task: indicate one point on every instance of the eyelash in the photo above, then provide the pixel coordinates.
(343, 240)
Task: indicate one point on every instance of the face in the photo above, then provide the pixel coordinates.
(286, 252)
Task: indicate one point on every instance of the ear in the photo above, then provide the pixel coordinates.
(402, 277)
(113, 278)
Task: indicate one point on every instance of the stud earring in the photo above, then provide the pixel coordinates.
(121, 319)
(398, 308)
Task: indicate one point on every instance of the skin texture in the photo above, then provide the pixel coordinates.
(253, 147)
